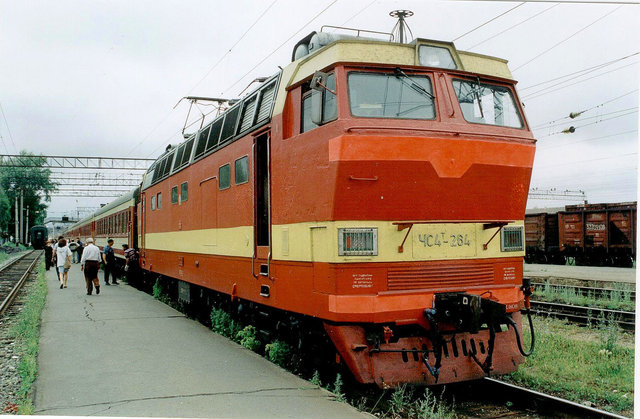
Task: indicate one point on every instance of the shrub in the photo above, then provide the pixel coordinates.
(223, 324)
(247, 338)
(278, 352)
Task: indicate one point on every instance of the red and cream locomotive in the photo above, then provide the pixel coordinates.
(377, 187)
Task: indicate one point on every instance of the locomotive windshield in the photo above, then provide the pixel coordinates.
(487, 104)
(382, 95)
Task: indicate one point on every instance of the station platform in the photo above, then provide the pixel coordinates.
(590, 273)
(122, 353)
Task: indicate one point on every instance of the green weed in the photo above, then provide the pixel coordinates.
(247, 338)
(315, 380)
(26, 332)
(580, 364)
(223, 324)
(337, 389)
(278, 352)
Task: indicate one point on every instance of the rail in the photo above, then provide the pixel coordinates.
(10, 298)
(584, 315)
(551, 403)
(587, 291)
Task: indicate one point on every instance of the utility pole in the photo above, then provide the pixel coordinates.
(15, 237)
(26, 230)
(21, 214)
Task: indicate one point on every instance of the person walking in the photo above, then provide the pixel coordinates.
(90, 265)
(63, 255)
(80, 249)
(48, 255)
(54, 258)
(73, 246)
(109, 259)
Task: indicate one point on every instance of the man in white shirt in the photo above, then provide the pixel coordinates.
(90, 264)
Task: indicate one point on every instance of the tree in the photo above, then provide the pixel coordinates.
(36, 187)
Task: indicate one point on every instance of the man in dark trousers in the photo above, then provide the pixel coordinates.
(79, 249)
(109, 259)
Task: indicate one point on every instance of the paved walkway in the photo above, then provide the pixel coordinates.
(122, 353)
(599, 273)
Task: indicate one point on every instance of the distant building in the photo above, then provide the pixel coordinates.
(56, 225)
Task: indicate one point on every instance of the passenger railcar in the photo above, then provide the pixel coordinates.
(117, 221)
(38, 236)
(379, 187)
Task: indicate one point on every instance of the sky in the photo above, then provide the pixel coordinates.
(101, 78)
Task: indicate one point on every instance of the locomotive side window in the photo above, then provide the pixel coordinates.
(242, 170)
(224, 176)
(174, 195)
(228, 129)
(397, 95)
(184, 192)
(179, 155)
(216, 127)
(202, 142)
(158, 201)
(329, 105)
(153, 203)
(483, 103)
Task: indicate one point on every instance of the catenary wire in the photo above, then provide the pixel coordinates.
(488, 21)
(545, 147)
(558, 1)
(592, 123)
(542, 92)
(513, 26)
(585, 70)
(205, 76)
(233, 46)
(551, 124)
(8, 129)
(357, 14)
(280, 46)
(566, 39)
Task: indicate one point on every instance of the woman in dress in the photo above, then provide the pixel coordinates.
(62, 253)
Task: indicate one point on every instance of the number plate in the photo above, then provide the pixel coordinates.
(444, 241)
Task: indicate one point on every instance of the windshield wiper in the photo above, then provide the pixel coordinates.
(476, 93)
(415, 86)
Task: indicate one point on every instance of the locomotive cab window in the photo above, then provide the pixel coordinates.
(391, 95)
(329, 104)
(224, 176)
(174, 195)
(184, 192)
(484, 103)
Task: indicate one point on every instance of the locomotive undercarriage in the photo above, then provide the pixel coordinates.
(461, 343)
(467, 337)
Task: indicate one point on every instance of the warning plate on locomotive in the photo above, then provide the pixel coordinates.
(444, 241)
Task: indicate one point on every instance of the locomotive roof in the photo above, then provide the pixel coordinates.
(346, 50)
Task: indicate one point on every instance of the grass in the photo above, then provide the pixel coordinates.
(620, 297)
(26, 332)
(579, 364)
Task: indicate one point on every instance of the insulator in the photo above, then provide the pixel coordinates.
(569, 130)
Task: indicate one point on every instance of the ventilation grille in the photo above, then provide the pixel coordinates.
(439, 276)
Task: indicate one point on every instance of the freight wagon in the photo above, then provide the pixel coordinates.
(586, 234)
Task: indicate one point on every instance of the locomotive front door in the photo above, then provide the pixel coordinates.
(262, 205)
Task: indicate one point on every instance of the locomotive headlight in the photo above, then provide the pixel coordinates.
(512, 239)
(357, 242)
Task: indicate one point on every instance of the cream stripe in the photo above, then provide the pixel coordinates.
(319, 242)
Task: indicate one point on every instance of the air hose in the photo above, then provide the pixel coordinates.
(518, 340)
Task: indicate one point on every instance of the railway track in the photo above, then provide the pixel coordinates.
(14, 275)
(541, 402)
(584, 315)
(606, 293)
